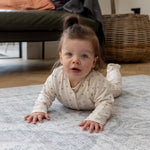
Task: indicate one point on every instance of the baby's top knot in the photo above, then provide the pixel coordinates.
(70, 21)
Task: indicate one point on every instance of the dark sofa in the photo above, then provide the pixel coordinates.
(34, 26)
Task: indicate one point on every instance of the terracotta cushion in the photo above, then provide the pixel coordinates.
(27, 4)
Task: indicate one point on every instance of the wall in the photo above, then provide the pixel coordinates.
(106, 6)
(124, 6)
(33, 50)
(51, 50)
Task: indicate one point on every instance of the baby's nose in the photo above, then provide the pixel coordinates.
(76, 60)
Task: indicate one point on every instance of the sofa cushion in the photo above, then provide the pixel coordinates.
(27, 4)
(13, 20)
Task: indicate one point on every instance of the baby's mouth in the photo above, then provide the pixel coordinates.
(75, 70)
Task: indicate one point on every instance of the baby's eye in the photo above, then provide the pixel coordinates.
(84, 56)
(69, 54)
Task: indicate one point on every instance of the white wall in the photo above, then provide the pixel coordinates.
(51, 50)
(105, 6)
(33, 50)
(124, 6)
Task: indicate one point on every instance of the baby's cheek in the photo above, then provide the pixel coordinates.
(88, 68)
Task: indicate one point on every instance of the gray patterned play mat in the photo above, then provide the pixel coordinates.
(128, 129)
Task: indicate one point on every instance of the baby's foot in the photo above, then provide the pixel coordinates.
(112, 66)
(113, 72)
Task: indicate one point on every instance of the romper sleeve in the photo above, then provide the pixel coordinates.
(47, 95)
(103, 101)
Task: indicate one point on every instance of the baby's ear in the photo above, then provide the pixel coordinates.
(94, 62)
(60, 57)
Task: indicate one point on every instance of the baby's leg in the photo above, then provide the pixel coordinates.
(114, 78)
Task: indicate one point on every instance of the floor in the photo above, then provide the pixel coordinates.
(19, 72)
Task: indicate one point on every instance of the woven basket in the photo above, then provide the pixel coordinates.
(127, 37)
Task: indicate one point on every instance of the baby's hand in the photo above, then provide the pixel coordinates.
(38, 116)
(92, 125)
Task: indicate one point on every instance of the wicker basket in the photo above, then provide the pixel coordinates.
(127, 37)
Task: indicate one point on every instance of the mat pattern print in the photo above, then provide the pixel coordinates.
(128, 128)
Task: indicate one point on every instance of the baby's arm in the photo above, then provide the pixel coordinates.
(44, 101)
(103, 100)
(102, 111)
(99, 116)
(97, 119)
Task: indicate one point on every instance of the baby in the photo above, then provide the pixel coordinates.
(76, 82)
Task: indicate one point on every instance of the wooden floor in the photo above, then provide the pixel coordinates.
(18, 72)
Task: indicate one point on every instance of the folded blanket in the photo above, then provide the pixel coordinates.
(88, 7)
(59, 4)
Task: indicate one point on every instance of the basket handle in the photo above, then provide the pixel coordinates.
(113, 8)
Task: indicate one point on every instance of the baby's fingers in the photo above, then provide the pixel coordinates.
(40, 118)
(82, 123)
(96, 128)
(101, 127)
(92, 126)
(30, 119)
(34, 119)
(25, 118)
(47, 117)
(86, 125)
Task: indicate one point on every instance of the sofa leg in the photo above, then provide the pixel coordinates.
(20, 49)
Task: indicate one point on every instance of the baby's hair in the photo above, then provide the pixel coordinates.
(70, 21)
(72, 29)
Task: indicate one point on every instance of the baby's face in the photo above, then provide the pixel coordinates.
(77, 58)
